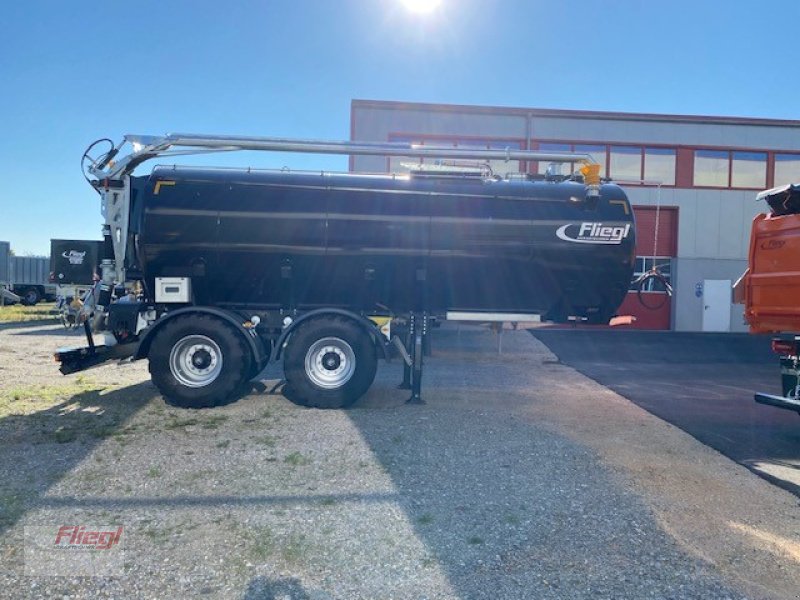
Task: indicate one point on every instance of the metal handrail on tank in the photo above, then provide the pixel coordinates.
(145, 147)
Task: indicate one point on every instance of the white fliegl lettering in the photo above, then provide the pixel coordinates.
(594, 233)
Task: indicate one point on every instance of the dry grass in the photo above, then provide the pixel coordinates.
(18, 313)
(28, 399)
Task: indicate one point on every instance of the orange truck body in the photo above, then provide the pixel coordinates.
(770, 288)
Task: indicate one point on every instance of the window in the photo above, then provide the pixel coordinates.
(711, 168)
(659, 165)
(749, 170)
(403, 164)
(626, 163)
(598, 154)
(558, 168)
(787, 169)
(499, 167)
(644, 264)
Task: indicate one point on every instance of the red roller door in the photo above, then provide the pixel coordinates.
(667, 248)
(646, 230)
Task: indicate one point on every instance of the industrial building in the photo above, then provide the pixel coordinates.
(696, 177)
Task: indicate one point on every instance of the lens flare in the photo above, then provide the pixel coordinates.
(421, 6)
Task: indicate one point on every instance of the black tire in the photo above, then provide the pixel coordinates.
(301, 387)
(31, 297)
(235, 359)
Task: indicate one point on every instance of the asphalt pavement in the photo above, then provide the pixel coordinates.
(701, 382)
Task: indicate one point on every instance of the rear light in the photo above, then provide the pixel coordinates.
(784, 347)
(52, 277)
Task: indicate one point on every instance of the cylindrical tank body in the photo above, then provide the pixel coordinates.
(378, 243)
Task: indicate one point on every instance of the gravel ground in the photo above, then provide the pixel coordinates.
(496, 488)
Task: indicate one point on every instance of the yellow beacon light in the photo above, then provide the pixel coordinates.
(591, 174)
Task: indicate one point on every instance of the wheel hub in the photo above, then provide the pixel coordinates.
(195, 361)
(330, 363)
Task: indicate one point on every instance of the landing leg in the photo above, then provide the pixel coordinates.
(418, 331)
(406, 383)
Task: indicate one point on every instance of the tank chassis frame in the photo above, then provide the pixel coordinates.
(110, 177)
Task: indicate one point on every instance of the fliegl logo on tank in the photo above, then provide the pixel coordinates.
(593, 233)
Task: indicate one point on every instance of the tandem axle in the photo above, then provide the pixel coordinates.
(330, 355)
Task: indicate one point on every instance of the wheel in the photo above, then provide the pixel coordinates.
(31, 297)
(330, 363)
(199, 361)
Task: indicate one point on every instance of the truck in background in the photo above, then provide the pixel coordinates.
(770, 287)
(28, 277)
(74, 265)
(75, 268)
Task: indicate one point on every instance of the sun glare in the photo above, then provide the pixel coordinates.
(421, 6)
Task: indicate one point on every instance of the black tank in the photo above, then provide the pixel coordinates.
(384, 243)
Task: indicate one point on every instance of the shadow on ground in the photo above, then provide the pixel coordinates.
(505, 507)
(263, 588)
(701, 382)
(41, 447)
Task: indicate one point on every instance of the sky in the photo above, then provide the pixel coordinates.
(74, 71)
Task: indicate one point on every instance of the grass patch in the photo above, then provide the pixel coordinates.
(223, 444)
(65, 436)
(295, 549)
(262, 543)
(24, 400)
(154, 472)
(19, 313)
(296, 459)
(474, 540)
(214, 421)
(266, 440)
(179, 423)
(425, 519)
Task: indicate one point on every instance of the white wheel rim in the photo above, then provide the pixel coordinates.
(330, 363)
(195, 361)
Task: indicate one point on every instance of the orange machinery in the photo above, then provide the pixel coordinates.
(770, 288)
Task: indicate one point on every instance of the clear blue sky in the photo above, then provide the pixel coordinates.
(72, 71)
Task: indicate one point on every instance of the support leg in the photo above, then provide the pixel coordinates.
(406, 383)
(420, 330)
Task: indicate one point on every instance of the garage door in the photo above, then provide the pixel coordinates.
(656, 311)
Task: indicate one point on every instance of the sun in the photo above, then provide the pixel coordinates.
(421, 6)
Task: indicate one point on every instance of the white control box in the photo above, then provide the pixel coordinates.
(173, 289)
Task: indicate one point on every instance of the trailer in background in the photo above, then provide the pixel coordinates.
(75, 267)
(25, 276)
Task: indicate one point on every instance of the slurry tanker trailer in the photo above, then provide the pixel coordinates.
(212, 273)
